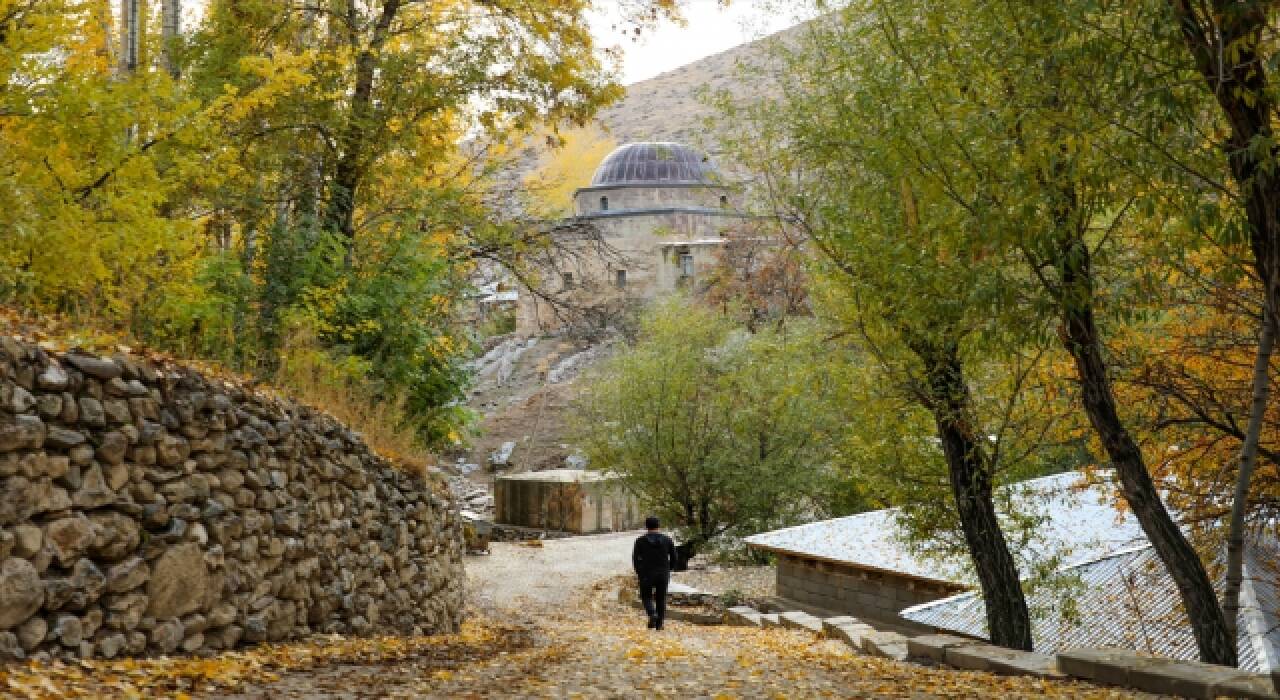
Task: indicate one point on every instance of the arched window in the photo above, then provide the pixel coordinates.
(724, 201)
(604, 204)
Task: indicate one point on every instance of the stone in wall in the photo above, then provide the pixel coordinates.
(149, 509)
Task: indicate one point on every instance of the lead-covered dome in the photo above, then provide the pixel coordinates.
(655, 163)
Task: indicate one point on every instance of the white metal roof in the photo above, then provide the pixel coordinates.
(1128, 600)
(1080, 523)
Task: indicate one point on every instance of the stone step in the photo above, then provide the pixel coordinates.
(1189, 679)
(1010, 662)
(829, 624)
(797, 620)
(888, 645)
(934, 646)
(743, 616)
(851, 634)
(769, 620)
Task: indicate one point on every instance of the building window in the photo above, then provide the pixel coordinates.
(686, 265)
(604, 204)
(568, 280)
(620, 278)
(724, 201)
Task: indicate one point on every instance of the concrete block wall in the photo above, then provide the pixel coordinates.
(569, 506)
(858, 592)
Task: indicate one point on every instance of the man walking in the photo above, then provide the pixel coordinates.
(654, 556)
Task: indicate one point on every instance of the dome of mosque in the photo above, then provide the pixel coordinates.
(655, 163)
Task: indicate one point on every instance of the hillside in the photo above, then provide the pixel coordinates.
(669, 106)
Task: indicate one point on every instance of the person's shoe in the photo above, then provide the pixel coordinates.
(658, 626)
(652, 624)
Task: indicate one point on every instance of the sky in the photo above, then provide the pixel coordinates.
(710, 29)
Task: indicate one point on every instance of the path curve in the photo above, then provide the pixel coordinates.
(551, 572)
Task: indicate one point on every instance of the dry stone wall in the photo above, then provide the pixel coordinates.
(149, 509)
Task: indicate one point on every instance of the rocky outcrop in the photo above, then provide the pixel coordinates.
(148, 509)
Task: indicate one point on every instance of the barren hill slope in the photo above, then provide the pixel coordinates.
(668, 107)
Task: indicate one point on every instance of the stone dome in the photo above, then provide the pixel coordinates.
(655, 163)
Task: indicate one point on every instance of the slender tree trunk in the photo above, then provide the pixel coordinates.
(353, 143)
(1084, 342)
(170, 29)
(1225, 40)
(1248, 460)
(970, 472)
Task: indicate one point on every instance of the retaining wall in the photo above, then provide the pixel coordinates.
(149, 509)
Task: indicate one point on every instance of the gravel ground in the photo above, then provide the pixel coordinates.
(517, 574)
(748, 581)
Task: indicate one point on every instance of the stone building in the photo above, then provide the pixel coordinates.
(656, 214)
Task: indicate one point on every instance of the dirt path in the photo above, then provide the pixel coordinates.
(549, 574)
(546, 625)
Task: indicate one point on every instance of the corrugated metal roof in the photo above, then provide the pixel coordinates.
(1126, 599)
(1079, 523)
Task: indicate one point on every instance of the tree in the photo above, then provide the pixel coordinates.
(1015, 147)
(721, 432)
(566, 163)
(902, 269)
(1231, 47)
(209, 189)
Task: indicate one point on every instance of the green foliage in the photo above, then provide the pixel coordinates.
(326, 164)
(880, 165)
(716, 430)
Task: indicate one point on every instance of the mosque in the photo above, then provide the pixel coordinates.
(661, 209)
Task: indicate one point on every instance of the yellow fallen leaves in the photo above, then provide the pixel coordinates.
(178, 676)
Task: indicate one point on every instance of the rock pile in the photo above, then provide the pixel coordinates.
(473, 496)
(150, 510)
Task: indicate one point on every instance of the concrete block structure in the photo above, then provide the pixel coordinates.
(570, 500)
(863, 592)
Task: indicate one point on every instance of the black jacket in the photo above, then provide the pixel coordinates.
(654, 554)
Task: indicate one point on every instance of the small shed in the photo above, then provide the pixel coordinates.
(571, 500)
(858, 565)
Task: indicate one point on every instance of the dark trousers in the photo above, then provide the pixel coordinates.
(653, 593)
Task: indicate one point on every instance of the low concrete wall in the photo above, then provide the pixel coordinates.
(566, 500)
(860, 592)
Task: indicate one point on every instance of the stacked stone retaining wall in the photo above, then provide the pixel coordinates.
(148, 509)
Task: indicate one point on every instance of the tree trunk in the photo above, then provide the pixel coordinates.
(132, 14)
(970, 472)
(1225, 44)
(353, 143)
(1248, 460)
(170, 28)
(1083, 341)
